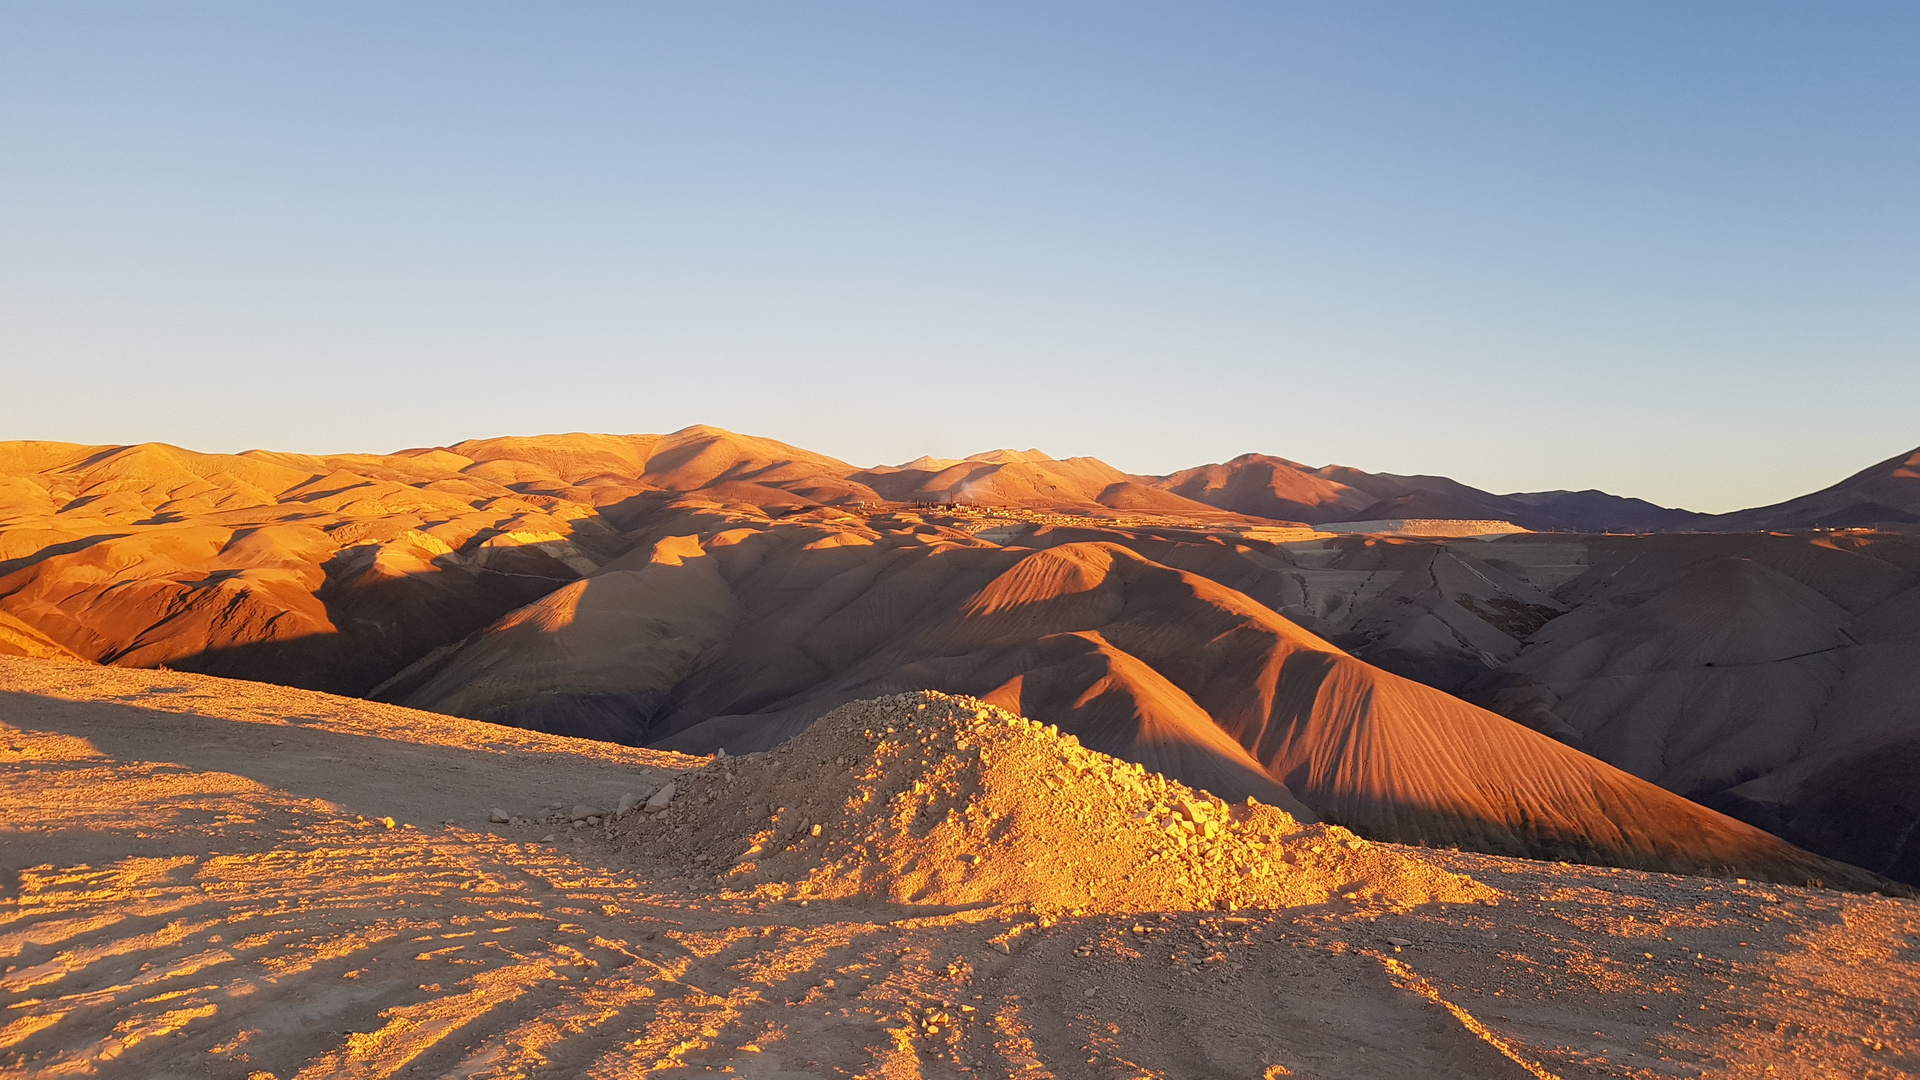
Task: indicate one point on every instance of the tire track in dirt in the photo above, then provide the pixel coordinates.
(221, 924)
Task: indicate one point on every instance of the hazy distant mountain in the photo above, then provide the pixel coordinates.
(1594, 511)
(1270, 487)
(1265, 486)
(1884, 494)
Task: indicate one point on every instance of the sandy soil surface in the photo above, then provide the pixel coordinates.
(200, 880)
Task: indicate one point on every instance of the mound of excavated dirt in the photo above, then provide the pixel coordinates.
(200, 881)
(933, 799)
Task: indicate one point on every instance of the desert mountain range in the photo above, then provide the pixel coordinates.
(1559, 693)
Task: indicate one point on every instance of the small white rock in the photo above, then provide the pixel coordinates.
(660, 799)
(499, 816)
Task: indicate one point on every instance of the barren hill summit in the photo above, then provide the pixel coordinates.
(1030, 479)
(1270, 487)
(694, 458)
(1884, 494)
(1274, 487)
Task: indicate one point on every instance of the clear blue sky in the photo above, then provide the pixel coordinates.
(1667, 249)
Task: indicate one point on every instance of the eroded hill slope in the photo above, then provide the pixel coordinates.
(707, 586)
(1139, 660)
(334, 572)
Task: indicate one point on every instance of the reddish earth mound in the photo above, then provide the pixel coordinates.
(930, 799)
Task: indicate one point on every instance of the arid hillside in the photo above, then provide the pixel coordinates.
(1883, 494)
(1774, 677)
(1030, 479)
(703, 590)
(743, 644)
(1277, 488)
(334, 572)
(215, 877)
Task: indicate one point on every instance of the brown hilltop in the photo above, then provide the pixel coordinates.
(1031, 479)
(1274, 487)
(695, 458)
(999, 478)
(1884, 494)
(1271, 487)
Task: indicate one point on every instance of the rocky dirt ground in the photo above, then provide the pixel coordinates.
(212, 878)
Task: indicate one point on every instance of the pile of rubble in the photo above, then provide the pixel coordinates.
(927, 798)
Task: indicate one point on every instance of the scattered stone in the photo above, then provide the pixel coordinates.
(499, 816)
(661, 799)
(1398, 942)
(583, 812)
(626, 804)
(547, 839)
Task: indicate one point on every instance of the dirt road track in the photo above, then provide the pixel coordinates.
(198, 882)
